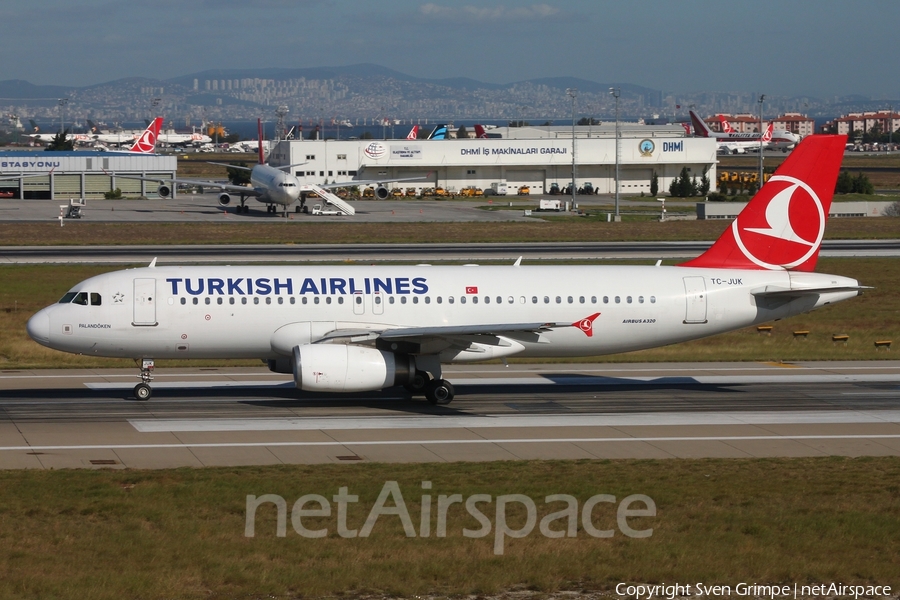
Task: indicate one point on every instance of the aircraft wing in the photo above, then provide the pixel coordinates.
(372, 181)
(226, 187)
(440, 337)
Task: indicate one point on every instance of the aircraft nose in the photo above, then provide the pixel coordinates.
(38, 327)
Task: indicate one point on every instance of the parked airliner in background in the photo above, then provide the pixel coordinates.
(738, 143)
(274, 186)
(359, 328)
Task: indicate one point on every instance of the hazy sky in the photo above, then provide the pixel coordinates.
(819, 48)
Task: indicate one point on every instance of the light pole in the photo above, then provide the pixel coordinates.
(62, 114)
(572, 92)
(891, 129)
(760, 182)
(616, 92)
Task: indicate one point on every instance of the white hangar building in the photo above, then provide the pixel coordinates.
(80, 174)
(537, 157)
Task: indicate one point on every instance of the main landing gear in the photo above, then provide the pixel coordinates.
(438, 392)
(142, 391)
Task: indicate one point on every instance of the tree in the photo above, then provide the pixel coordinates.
(844, 183)
(238, 176)
(862, 185)
(115, 194)
(704, 185)
(654, 185)
(462, 133)
(60, 143)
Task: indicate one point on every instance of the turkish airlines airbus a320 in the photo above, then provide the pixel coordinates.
(360, 328)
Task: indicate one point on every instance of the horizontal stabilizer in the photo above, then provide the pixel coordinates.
(771, 291)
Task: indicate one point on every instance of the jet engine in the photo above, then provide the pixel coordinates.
(345, 368)
(382, 192)
(164, 191)
(224, 199)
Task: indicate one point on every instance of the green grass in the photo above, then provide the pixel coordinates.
(873, 316)
(180, 534)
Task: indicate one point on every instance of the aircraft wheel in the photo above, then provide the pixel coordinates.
(305, 210)
(417, 383)
(439, 392)
(142, 391)
(297, 209)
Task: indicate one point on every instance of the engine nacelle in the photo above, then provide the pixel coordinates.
(382, 192)
(345, 368)
(224, 199)
(164, 191)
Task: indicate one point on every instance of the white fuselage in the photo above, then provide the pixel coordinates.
(264, 311)
(274, 186)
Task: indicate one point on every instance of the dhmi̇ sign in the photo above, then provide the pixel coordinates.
(673, 146)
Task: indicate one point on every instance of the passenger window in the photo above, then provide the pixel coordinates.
(580, 299)
(640, 299)
(359, 299)
(280, 300)
(450, 299)
(474, 299)
(305, 300)
(81, 298)
(402, 299)
(652, 299)
(268, 300)
(462, 299)
(256, 300)
(207, 300)
(415, 299)
(427, 299)
(605, 299)
(391, 299)
(95, 299)
(196, 301)
(593, 299)
(487, 299)
(546, 299)
(521, 299)
(341, 299)
(439, 300)
(558, 300)
(316, 300)
(244, 300)
(534, 299)
(219, 300)
(571, 300)
(184, 301)
(628, 299)
(69, 296)
(293, 300)
(328, 300)
(377, 299)
(511, 300)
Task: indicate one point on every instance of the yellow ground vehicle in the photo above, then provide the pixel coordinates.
(427, 192)
(369, 192)
(524, 190)
(411, 191)
(439, 191)
(471, 192)
(396, 192)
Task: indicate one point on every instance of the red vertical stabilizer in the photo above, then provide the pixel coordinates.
(783, 225)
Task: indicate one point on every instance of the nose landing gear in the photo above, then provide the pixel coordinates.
(143, 391)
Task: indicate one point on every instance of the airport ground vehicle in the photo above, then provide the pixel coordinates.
(524, 190)
(556, 205)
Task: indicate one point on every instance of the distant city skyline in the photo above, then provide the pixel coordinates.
(824, 49)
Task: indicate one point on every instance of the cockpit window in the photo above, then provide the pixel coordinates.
(95, 299)
(81, 298)
(68, 297)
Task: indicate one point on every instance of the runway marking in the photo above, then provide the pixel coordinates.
(446, 442)
(554, 379)
(517, 421)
